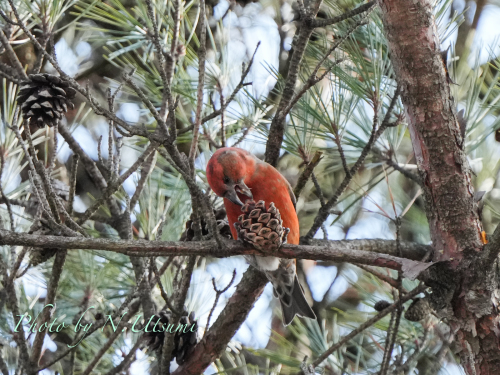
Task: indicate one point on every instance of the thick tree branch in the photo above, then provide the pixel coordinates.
(215, 341)
(451, 210)
(371, 252)
(433, 125)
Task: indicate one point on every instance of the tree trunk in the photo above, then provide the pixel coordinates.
(462, 286)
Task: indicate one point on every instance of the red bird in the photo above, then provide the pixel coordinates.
(237, 175)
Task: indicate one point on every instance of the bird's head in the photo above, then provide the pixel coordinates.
(227, 171)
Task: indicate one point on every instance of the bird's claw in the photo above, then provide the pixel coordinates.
(285, 235)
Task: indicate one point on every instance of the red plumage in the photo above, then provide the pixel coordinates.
(237, 175)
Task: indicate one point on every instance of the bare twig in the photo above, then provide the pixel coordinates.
(157, 43)
(163, 293)
(127, 359)
(340, 148)
(146, 170)
(324, 211)
(238, 87)
(392, 332)
(362, 8)
(174, 55)
(218, 293)
(116, 184)
(113, 336)
(72, 182)
(201, 83)
(367, 324)
(319, 192)
(179, 304)
(51, 296)
(12, 56)
(4, 197)
(412, 176)
(389, 280)
(133, 308)
(306, 173)
(9, 77)
(405, 367)
(229, 320)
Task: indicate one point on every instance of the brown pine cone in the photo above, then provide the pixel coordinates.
(185, 339)
(222, 224)
(44, 99)
(261, 227)
(418, 310)
(184, 342)
(155, 339)
(381, 305)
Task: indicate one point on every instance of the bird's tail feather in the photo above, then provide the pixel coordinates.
(295, 303)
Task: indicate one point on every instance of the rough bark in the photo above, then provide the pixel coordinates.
(451, 211)
(372, 252)
(229, 321)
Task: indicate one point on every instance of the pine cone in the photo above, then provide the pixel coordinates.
(261, 227)
(185, 339)
(38, 256)
(44, 99)
(418, 310)
(222, 224)
(155, 339)
(184, 342)
(381, 305)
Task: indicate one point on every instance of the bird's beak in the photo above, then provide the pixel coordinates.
(241, 188)
(233, 197)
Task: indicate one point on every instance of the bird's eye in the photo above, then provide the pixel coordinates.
(226, 180)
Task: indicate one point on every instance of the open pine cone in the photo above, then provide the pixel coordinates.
(184, 342)
(44, 99)
(261, 227)
(185, 338)
(222, 225)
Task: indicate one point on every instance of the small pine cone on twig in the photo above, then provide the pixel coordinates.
(38, 256)
(222, 225)
(381, 305)
(185, 334)
(44, 99)
(154, 339)
(261, 227)
(184, 342)
(418, 310)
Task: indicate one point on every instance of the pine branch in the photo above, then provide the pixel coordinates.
(12, 56)
(55, 276)
(331, 21)
(324, 211)
(117, 184)
(306, 173)
(367, 324)
(369, 252)
(168, 343)
(229, 320)
(201, 83)
(127, 359)
(228, 101)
